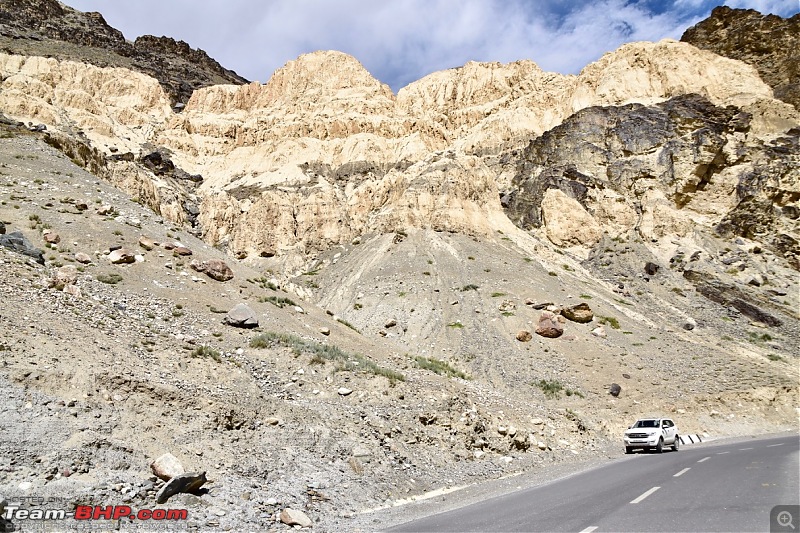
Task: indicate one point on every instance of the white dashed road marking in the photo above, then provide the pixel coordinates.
(588, 529)
(722, 453)
(645, 495)
(743, 449)
(682, 472)
(704, 459)
(773, 445)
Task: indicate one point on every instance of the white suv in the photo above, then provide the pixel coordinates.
(652, 434)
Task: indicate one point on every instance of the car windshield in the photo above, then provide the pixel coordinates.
(646, 424)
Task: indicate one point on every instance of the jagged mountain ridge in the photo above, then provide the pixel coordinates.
(256, 138)
(52, 29)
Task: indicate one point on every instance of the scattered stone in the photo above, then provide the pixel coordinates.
(17, 242)
(241, 316)
(73, 290)
(2, 228)
(325, 331)
(541, 445)
(298, 309)
(121, 256)
(756, 281)
(65, 275)
(651, 268)
(25, 485)
(626, 376)
(521, 441)
(147, 243)
(689, 324)
(390, 324)
(293, 517)
(105, 210)
(614, 390)
(599, 331)
(185, 483)
(83, 258)
(272, 421)
(537, 422)
(181, 250)
(344, 391)
(524, 335)
(580, 313)
(506, 306)
(550, 325)
(215, 269)
(81, 206)
(167, 467)
(540, 306)
(51, 237)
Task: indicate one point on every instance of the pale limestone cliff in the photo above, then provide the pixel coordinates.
(324, 152)
(112, 106)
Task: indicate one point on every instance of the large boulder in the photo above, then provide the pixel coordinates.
(295, 517)
(241, 316)
(580, 313)
(550, 325)
(122, 256)
(215, 269)
(17, 242)
(167, 467)
(188, 483)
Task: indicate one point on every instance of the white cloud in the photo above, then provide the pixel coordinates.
(403, 40)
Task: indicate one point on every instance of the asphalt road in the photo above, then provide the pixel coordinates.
(725, 487)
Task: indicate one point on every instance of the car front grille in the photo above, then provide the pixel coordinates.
(638, 435)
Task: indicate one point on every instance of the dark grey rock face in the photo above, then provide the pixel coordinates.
(17, 242)
(767, 42)
(678, 146)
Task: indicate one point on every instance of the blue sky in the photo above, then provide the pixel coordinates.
(400, 41)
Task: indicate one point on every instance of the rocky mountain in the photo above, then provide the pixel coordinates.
(329, 297)
(768, 42)
(51, 29)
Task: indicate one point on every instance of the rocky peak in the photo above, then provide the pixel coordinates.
(768, 42)
(325, 75)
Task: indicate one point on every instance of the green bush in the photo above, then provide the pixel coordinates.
(439, 367)
(550, 388)
(326, 352)
(112, 278)
(206, 351)
(278, 301)
(610, 320)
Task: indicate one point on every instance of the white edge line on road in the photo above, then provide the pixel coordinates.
(682, 472)
(588, 529)
(704, 459)
(773, 445)
(645, 495)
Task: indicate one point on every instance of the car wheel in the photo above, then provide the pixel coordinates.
(628, 449)
(676, 445)
(660, 445)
